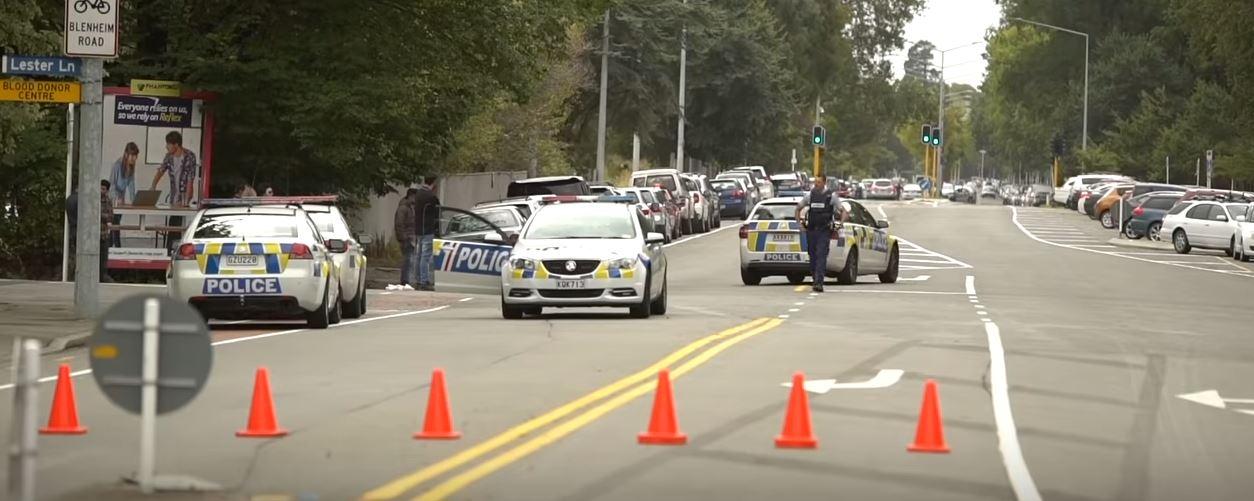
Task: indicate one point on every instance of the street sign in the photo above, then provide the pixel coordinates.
(44, 66)
(91, 28)
(163, 88)
(38, 91)
(184, 355)
(925, 183)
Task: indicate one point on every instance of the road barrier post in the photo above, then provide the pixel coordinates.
(23, 447)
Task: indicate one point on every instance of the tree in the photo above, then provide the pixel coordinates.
(919, 62)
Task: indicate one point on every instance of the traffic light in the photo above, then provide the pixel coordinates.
(936, 136)
(927, 134)
(819, 137)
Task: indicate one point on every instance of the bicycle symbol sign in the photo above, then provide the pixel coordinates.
(91, 28)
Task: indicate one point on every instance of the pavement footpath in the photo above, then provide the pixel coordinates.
(45, 311)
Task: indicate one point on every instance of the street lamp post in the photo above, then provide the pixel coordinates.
(940, 107)
(1084, 138)
(683, 77)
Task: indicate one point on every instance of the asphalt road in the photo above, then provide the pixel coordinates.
(1059, 371)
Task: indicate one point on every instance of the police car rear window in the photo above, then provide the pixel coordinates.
(247, 226)
(780, 212)
(330, 225)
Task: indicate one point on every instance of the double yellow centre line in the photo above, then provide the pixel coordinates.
(635, 385)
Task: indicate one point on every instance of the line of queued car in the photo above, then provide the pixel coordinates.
(1188, 217)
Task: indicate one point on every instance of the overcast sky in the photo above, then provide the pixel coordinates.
(953, 23)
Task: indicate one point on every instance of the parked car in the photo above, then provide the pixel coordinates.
(733, 196)
(1146, 218)
(1203, 224)
(716, 201)
(1101, 208)
(1069, 192)
(701, 220)
(556, 185)
(601, 188)
(1138, 192)
(911, 191)
(882, 189)
(1093, 193)
(1243, 240)
(788, 185)
(760, 178)
(672, 181)
(670, 210)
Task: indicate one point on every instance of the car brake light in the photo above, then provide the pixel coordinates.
(696, 199)
(186, 252)
(300, 251)
(744, 232)
(738, 193)
(1138, 211)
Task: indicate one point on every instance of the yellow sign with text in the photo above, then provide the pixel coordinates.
(160, 88)
(36, 91)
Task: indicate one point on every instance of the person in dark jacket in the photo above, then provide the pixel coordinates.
(427, 217)
(406, 230)
(106, 219)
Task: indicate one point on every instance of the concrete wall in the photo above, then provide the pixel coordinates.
(461, 191)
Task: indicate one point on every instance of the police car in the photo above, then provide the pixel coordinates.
(773, 244)
(350, 260)
(254, 259)
(579, 253)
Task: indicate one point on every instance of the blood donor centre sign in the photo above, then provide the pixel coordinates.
(37, 91)
(91, 28)
(152, 111)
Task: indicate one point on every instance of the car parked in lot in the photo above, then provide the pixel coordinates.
(1243, 239)
(911, 191)
(761, 178)
(1203, 224)
(702, 220)
(882, 189)
(553, 185)
(1069, 193)
(1145, 219)
(752, 191)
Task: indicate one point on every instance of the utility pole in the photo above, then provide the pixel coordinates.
(635, 152)
(605, 82)
(87, 270)
(69, 187)
(1168, 164)
(1199, 173)
(683, 81)
(940, 121)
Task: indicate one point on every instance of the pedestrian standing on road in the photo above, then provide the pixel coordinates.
(404, 223)
(106, 218)
(822, 207)
(427, 216)
(122, 185)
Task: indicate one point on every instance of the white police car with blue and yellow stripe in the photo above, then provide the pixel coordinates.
(772, 243)
(584, 254)
(256, 262)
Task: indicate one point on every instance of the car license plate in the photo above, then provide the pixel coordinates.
(572, 284)
(783, 257)
(242, 286)
(784, 237)
(243, 260)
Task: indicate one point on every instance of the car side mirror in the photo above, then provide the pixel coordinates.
(881, 223)
(337, 246)
(1221, 218)
(1241, 219)
(494, 238)
(365, 239)
(654, 238)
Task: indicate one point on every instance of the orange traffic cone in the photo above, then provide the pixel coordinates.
(930, 436)
(663, 426)
(64, 417)
(262, 421)
(439, 422)
(797, 433)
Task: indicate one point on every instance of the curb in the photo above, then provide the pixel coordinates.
(63, 343)
(1138, 244)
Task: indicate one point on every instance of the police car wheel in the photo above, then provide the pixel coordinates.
(336, 311)
(510, 312)
(357, 307)
(796, 278)
(750, 278)
(659, 304)
(645, 307)
(890, 275)
(849, 274)
(319, 318)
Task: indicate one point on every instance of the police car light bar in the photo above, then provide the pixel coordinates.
(250, 201)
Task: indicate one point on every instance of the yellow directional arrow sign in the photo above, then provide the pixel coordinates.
(36, 91)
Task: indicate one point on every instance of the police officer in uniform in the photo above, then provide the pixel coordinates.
(822, 217)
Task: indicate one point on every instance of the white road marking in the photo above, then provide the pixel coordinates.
(793, 310)
(920, 278)
(881, 209)
(985, 320)
(1007, 436)
(799, 304)
(784, 317)
(981, 313)
(971, 285)
(929, 261)
(462, 300)
(700, 235)
(883, 379)
(979, 306)
(1126, 255)
(262, 336)
(873, 291)
(911, 246)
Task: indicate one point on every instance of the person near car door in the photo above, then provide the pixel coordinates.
(823, 208)
(427, 219)
(405, 225)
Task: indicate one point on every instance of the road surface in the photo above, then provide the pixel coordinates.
(1059, 365)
